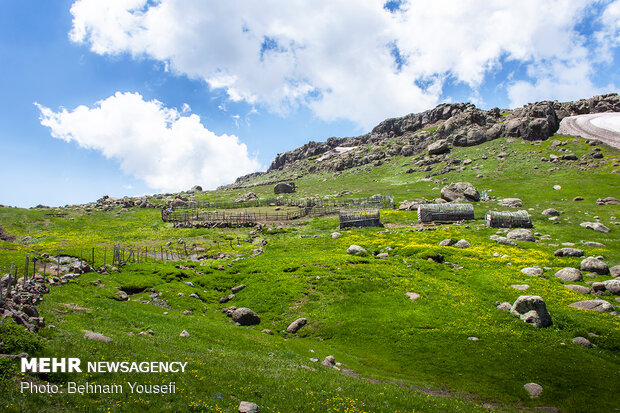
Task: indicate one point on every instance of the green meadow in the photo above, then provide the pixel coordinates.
(396, 355)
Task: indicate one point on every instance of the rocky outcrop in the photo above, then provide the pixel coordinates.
(284, 188)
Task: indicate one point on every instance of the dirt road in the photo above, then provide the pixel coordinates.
(602, 126)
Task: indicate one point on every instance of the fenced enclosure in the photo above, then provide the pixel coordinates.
(359, 218)
(197, 214)
(445, 212)
(511, 219)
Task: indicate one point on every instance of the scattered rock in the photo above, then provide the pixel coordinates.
(356, 250)
(615, 271)
(336, 235)
(473, 338)
(521, 234)
(446, 242)
(460, 191)
(506, 306)
(248, 407)
(596, 226)
(594, 305)
(551, 212)
(592, 264)
(238, 288)
(582, 341)
(296, 325)
(462, 244)
(267, 331)
(578, 288)
(439, 147)
(284, 188)
(557, 187)
(184, 333)
(568, 252)
(245, 317)
(613, 286)
(569, 274)
(521, 287)
(532, 271)
(89, 335)
(511, 202)
(535, 390)
(532, 309)
(121, 296)
(593, 244)
(330, 361)
(412, 296)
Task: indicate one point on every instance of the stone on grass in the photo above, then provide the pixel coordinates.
(330, 361)
(121, 296)
(615, 271)
(412, 296)
(593, 244)
(568, 252)
(594, 305)
(578, 288)
(446, 242)
(521, 235)
(438, 147)
(613, 286)
(506, 306)
(598, 287)
(593, 264)
(267, 331)
(473, 338)
(533, 389)
(296, 325)
(245, 317)
(532, 271)
(569, 274)
(89, 335)
(511, 202)
(533, 310)
(248, 407)
(462, 244)
(356, 250)
(505, 241)
(336, 235)
(184, 333)
(596, 226)
(238, 288)
(551, 212)
(460, 191)
(521, 287)
(582, 341)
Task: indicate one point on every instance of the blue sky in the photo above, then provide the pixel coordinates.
(129, 97)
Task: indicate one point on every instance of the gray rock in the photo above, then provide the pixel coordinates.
(184, 333)
(596, 226)
(593, 244)
(511, 202)
(439, 147)
(505, 241)
(460, 191)
(582, 341)
(521, 234)
(532, 309)
(336, 235)
(578, 288)
(296, 325)
(329, 361)
(535, 390)
(615, 271)
(594, 305)
(238, 288)
(412, 296)
(356, 250)
(551, 212)
(613, 286)
(532, 271)
(284, 188)
(506, 306)
(121, 296)
(598, 287)
(462, 244)
(569, 274)
(446, 242)
(248, 407)
(245, 317)
(592, 264)
(521, 287)
(89, 335)
(568, 252)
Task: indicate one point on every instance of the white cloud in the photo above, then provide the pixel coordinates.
(337, 56)
(158, 145)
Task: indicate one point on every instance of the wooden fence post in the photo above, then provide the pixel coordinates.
(26, 269)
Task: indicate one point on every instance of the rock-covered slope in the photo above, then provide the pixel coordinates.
(458, 124)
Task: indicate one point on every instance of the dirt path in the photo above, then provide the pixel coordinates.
(604, 127)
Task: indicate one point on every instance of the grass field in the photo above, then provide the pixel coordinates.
(397, 355)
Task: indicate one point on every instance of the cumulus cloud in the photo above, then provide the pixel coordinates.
(345, 59)
(168, 151)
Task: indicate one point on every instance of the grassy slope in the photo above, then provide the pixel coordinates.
(357, 308)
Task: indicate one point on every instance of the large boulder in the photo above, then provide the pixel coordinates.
(593, 264)
(568, 252)
(521, 234)
(284, 188)
(460, 191)
(532, 309)
(613, 286)
(569, 274)
(439, 147)
(245, 317)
